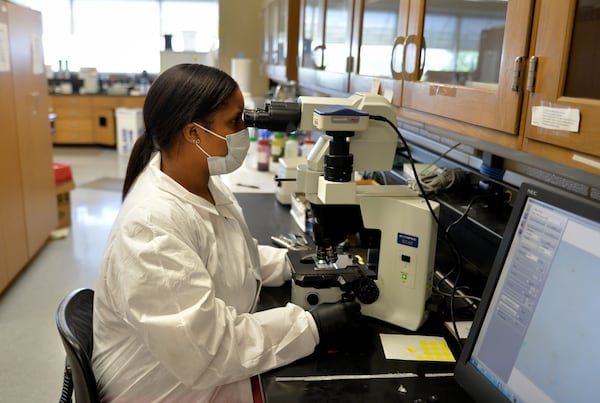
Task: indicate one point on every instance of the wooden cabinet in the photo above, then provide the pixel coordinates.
(325, 45)
(74, 123)
(567, 82)
(465, 61)
(280, 41)
(478, 68)
(88, 119)
(28, 203)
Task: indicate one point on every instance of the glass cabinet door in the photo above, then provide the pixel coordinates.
(268, 12)
(280, 39)
(461, 57)
(378, 46)
(325, 43)
(281, 36)
(563, 111)
(313, 23)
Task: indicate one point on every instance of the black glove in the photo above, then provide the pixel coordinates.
(333, 319)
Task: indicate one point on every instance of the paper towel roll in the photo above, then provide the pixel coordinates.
(241, 71)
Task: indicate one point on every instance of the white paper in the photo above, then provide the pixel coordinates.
(564, 119)
(416, 348)
(463, 328)
(4, 49)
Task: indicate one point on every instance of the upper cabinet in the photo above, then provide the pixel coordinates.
(564, 97)
(378, 46)
(280, 41)
(324, 47)
(465, 60)
(519, 74)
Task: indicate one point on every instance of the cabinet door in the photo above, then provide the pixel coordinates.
(35, 143)
(378, 46)
(13, 237)
(325, 46)
(280, 46)
(104, 126)
(460, 61)
(567, 82)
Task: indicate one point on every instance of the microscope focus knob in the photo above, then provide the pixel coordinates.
(367, 291)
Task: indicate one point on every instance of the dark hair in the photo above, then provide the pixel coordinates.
(181, 94)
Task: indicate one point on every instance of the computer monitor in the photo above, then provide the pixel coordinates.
(536, 333)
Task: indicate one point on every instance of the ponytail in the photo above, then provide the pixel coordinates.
(139, 158)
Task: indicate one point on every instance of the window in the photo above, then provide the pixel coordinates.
(123, 36)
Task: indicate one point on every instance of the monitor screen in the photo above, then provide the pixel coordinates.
(536, 332)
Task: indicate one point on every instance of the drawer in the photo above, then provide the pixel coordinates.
(73, 131)
(72, 137)
(71, 102)
(105, 102)
(131, 102)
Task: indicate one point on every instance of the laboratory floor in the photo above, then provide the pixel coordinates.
(31, 353)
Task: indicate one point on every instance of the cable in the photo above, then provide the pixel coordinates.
(442, 179)
(441, 156)
(448, 238)
(464, 214)
(412, 164)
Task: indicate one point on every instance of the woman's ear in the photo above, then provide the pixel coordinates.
(191, 133)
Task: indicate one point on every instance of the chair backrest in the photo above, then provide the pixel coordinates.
(74, 323)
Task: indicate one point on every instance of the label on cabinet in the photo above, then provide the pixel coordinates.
(564, 119)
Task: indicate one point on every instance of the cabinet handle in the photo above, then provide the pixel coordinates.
(422, 61)
(399, 41)
(321, 65)
(531, 73)
(517, 74)
(349, 64)
(417, 70)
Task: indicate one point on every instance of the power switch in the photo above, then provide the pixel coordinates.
(407, 265)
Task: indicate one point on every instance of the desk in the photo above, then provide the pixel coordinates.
(359, 353)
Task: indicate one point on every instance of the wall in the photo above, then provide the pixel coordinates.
(240, 31)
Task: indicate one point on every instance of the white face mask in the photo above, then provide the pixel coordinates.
(237, 148)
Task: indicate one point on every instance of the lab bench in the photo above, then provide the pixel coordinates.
(355, 367)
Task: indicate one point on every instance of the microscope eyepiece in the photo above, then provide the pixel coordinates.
(276, 116)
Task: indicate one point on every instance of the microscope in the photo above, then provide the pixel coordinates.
(374, 244)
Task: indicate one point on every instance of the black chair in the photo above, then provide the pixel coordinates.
(74, 322)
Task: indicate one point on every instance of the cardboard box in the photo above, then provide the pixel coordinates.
(63, 201)
(63, 181)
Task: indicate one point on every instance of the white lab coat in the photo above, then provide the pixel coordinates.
(174, 303)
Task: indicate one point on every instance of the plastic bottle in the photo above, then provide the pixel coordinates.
(263, 152)
(277, 146)
(291, 146)
(307, 145)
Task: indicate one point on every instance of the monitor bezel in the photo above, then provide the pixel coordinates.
(467, 376)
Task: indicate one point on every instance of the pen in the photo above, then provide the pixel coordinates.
(248, 186)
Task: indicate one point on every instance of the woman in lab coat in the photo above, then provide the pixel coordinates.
(174, 309)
